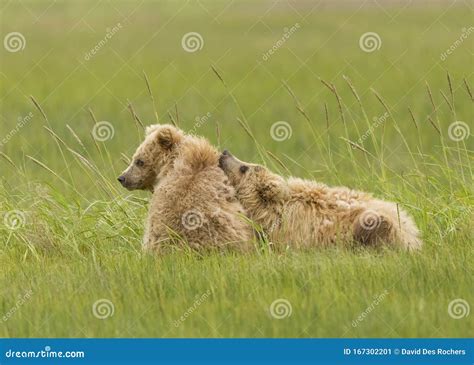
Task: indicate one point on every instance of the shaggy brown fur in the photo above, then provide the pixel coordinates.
(302, 213)
(192, 202)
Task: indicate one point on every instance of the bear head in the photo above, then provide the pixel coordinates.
(255, 185)
(152, 158)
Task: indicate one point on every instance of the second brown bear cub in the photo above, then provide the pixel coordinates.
(303, 213)
(192, 203)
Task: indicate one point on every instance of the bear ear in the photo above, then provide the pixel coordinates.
(168, 136)
(151, 128)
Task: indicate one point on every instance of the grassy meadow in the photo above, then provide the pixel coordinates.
(394, 118)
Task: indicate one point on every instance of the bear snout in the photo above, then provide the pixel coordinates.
(228, 162)
(221, 160)
(121, 180)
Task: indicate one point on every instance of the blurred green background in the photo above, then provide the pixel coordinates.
(236, 35)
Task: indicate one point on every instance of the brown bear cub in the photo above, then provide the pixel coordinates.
(192, 204)
(303, 213)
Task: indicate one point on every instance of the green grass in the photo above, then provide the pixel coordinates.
(79, 234)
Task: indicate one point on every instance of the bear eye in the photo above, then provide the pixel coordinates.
(243, 169)
(139, 163)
